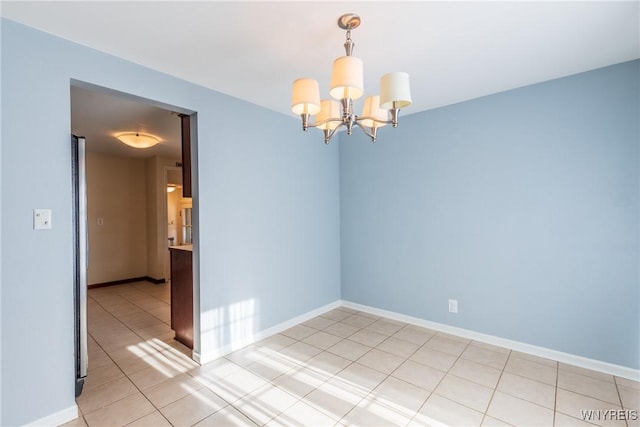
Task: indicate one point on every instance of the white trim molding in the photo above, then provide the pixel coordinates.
(207, 356)
(196, 357)
(57, 418)
(571, 359)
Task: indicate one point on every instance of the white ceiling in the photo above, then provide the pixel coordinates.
(98, 116)
(454, 51)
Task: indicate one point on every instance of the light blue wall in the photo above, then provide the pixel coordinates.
(523, 205)
(269, 213)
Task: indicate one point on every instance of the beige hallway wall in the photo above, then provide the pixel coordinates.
(117, 218)
(156, 226)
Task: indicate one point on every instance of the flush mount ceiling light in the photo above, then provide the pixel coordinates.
(138, 140)
(171, 188)
(347, 86)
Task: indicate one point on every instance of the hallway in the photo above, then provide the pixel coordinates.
(131, 348)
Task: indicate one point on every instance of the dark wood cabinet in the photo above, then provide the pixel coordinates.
(182, 294)
(186, 154)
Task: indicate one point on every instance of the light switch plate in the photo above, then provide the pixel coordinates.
(42, 219)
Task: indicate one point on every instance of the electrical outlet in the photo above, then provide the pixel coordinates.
(453, 306)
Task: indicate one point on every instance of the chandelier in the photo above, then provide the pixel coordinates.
(347, 86)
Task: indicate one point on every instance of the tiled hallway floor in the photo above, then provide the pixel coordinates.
(344, 367)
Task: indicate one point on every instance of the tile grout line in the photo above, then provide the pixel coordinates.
(155, 297)
(302, 365)
(432, 392)
(389, 374)
(555, 393)
(124, 324)
(268, 382)
(152, 296)
(555, 397)
(407, 358)
(346, 367)
(141, 391)
(124, 374)
(351, 361)
(493, 393)
(620, 398)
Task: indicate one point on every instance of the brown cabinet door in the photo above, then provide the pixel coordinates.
(182, 296)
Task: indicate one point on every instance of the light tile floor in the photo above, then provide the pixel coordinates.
(342, 368)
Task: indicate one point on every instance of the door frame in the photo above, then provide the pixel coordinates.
(195, 355)
(165, 219)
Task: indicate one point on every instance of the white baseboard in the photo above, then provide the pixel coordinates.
(208, 356)
(571, 359)
(71, 412)
(57, 418)
(196, 357)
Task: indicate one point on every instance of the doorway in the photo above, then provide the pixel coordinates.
(126, 219)
(178, 211)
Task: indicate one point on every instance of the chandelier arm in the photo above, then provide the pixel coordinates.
(328, 134)
(385, 122)
(322, 122)
(371, 132)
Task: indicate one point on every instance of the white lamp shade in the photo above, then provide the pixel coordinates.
(394, 87)
(371, 108)
(347, 78)
(306, 97)
(329, 110)
(137, 139)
